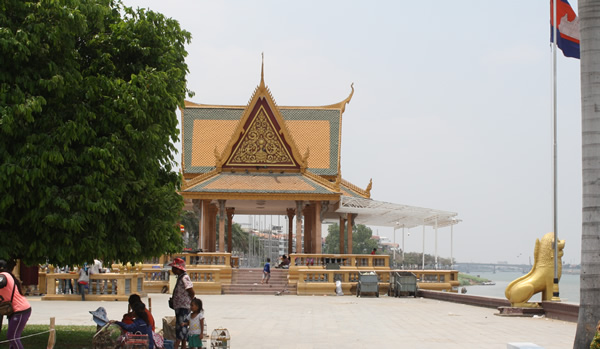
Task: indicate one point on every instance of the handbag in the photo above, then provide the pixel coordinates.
(135, 340)
(6, 307)
(171, 305)
(159, 342)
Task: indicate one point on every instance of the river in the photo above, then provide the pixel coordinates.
(568, 286)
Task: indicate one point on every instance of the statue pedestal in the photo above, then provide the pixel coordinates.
(520, 311)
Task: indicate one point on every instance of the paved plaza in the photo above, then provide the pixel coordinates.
(307, 322)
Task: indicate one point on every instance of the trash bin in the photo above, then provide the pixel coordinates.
(368, 282)
(403, 283)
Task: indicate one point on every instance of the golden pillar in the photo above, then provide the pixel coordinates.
(349, 233)
(230, 214)
(290, 214)
(307, 229)
(299, 227)
(342, 238)
(197, 206)
(212, 217)
(222, 216)
(205, 225)
(318, 241)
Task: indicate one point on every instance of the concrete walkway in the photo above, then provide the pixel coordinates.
(306, 322)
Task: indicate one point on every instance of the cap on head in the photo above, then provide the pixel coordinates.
(178, 263)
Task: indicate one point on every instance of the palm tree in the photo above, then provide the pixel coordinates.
(589, 309)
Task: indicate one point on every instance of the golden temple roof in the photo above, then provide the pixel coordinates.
(262, 147)
(315, 130)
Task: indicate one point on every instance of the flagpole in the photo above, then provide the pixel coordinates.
(555, 293)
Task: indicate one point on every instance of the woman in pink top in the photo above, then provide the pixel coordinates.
(18, 320)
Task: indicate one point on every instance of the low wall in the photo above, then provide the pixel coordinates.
(479, 301)
(553, 310)
(102, 287)
(205, 280)
(561, 311)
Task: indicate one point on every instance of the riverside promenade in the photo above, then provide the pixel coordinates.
(310, 322)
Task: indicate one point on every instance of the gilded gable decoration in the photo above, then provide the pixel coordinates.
(261, 144)
(261, 138)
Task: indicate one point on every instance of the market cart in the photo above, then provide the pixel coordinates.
(403, 283)
(368, 282)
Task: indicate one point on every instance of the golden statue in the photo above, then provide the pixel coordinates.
(541, 276)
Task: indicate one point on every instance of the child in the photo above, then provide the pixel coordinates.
(195, 321)
(266, 272)
(84, 280)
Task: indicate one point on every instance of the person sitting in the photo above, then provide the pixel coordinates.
(285, 262)
(141, 323)
(129, 318)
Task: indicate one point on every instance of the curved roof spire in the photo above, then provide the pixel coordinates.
(342, 105)
(262, 70)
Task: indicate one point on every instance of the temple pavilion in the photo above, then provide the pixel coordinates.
(266, 159)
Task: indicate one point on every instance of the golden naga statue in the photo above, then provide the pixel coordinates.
(541, 276)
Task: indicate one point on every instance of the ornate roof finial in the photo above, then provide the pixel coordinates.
(262, 70)
(342, 105)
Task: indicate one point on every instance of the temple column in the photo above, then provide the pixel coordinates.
(197, 206)
(299, 227)
(205, 225)
(230, 213)
(212, 216)
(342, 238)
(318, 241)
(349, 233)
(222, 216)
(307, 229)
(290, 214)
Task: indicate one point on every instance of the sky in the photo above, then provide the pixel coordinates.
(451, 110)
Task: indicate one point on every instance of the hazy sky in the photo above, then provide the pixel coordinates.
(452, 108)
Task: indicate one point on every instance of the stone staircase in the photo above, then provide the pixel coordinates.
(247, 281)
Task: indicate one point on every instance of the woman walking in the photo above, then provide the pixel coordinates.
(10, 290)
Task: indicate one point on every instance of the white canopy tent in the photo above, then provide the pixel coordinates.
(386, 214)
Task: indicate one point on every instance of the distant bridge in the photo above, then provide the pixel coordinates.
(491, 267)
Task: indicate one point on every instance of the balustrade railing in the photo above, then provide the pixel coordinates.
(316, 274)
(205, 258)
(343, 260)
(103, 286)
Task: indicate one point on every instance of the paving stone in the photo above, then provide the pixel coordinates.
(310, 322)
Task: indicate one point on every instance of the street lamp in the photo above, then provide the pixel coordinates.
(403, 246)
(394, 254)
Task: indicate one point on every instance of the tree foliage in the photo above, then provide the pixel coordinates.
(88, 93)
(361, 239)
(191, 223)
(415, 260)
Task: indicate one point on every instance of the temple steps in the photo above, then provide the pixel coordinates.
(247, 281)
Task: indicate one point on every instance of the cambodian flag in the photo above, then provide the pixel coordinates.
(568, 28)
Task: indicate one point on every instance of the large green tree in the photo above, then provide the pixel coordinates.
(589, 308)
(361, 239)
(88, 94)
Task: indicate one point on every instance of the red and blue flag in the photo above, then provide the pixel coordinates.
(567, 30)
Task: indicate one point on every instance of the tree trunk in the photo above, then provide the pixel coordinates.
(589, 310)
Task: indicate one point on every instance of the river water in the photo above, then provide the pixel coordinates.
(568, 286)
